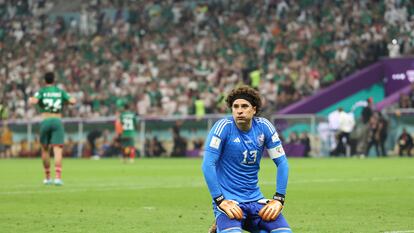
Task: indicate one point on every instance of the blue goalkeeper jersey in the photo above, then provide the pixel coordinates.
(232, 159)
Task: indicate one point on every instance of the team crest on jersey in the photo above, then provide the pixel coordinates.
(260, 139)
(275, 137)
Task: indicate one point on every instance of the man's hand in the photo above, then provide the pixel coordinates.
(231, 209)
(271, 210)
(33, 100)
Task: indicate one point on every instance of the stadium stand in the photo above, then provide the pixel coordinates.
(163, 54)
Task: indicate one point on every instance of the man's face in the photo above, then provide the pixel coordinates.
(243, 111)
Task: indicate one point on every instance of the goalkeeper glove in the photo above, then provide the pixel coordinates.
(231, 209)
(273, 208)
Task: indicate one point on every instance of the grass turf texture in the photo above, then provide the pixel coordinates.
(169, 195)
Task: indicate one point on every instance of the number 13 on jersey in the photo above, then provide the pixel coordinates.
(249, 157)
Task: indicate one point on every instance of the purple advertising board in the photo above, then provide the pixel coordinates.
(398, 73)
(395, 73)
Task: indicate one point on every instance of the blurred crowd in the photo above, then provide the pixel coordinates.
(176, 57)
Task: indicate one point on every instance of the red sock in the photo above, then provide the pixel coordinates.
(47, 172)
(132, 152)
(58, 171)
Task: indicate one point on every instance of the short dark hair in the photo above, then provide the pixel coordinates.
(49, 77)
(245, 92)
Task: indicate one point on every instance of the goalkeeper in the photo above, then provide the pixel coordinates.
(233, 150)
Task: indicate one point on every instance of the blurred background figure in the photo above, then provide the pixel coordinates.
(346, 125)
(305, 140)
(377, 132)
(405, 143)
(367, 111)
(155, 148)
(129, 120)
(92, 138)
(6, 141)
(293, 138)
(333, 121)
(393, 48)
(382, 133)
(179, 142)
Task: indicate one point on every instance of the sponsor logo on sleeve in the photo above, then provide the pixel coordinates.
(215, 142)
(275, 137)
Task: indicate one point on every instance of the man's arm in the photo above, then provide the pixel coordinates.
(33, 100)
(213, 146)
(229, 207)
(210, 175)
(274, 207)
(212, 151)
(68, 98)
(277, 154)
(72, 101)
(282, 174)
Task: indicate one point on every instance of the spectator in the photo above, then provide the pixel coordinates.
(158, 148)
(304, 140)
(36, 147)
(92, 138)
(24, 151)
(214, 46)
(6, 141)
(68, 148)
(404, 101)
(3, 111)
(179, 143)
(411, 95)
(114, 148)
(405, 143)
(293, 138)
(393, 49)
(367, 111)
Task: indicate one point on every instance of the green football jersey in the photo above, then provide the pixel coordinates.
(51, 99)
(129, 122)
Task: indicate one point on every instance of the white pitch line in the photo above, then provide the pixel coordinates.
(354, 180)
(99, 187)
(408, 231)
(83, 187)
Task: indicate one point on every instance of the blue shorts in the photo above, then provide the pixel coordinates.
(251, 221)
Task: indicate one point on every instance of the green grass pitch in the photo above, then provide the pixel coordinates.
(169, 195)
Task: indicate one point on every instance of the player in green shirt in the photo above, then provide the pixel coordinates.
(50, 99)
(128, 120)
